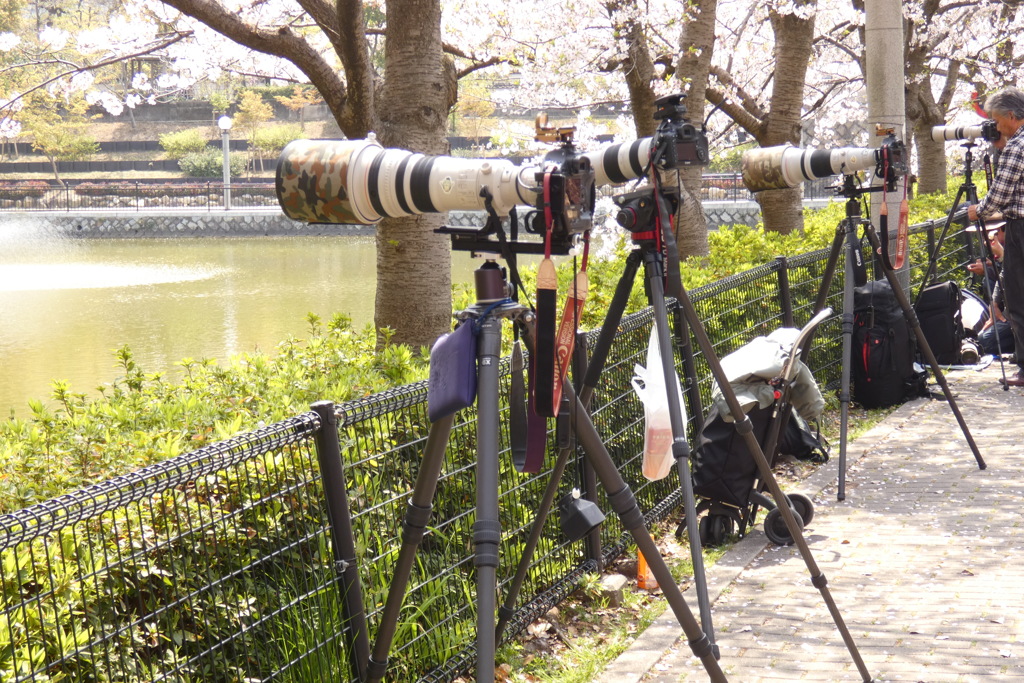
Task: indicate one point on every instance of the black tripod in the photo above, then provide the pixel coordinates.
(846, 233)
(968, 192)
(487, 529)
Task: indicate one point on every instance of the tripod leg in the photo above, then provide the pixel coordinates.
(624, 503)
(680, 446)
(845, 234)
(746, 430)
(610, 326)
(852, 252)
(487, 528)
(933, 258)
(926, 351)
(416, 517)
(987, 254)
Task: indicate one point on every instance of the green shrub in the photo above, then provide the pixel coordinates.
(209, 163)
(272, 139)
(183, 142)
(269, 91)
(142, 418)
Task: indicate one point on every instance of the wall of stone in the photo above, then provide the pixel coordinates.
(255, 223)
(149, 225)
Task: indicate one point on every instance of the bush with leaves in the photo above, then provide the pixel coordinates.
(143, 418)
(209, 163)
(183, 142)
(270, 140)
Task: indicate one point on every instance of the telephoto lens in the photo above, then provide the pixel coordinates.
(986, 131)
(784, 166)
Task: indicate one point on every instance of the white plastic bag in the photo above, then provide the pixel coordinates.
(649, 384)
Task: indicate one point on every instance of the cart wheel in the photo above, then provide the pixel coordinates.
(775, 527)
(803, 506)
(721, 528)
(704, 529)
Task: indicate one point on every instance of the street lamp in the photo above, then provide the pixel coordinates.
(224, 123)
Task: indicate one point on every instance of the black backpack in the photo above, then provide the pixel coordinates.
(938, 310)
(883, 349)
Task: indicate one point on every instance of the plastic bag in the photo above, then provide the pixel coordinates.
(649, 384)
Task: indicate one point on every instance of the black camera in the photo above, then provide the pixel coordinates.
(565, 189)
(678, 142)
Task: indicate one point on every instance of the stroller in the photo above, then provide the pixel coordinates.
(777, 391)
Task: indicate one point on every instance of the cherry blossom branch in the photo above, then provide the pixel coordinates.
(73, 68)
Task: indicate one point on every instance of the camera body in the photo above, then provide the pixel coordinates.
(565, 191)
(678, 142)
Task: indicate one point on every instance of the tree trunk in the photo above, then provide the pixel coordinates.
(696, 47)
(782, 209)
(414, 287)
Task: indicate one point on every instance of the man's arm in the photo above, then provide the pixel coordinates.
(1011, 167)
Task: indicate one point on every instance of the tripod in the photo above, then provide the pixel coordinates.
(846, 233)
(622, 500)
(487, 529)
(968, 192)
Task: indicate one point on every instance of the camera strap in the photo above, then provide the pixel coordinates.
(902, 230)
(547, 299)
(565, 341)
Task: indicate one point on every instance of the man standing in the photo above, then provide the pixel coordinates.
(1006, 196)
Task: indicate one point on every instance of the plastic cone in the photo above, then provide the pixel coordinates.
(644, 576)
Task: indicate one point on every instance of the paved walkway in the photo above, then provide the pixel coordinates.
(925, 560)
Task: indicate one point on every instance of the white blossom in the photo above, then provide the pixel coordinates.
(9, 128)
(140, 81)
(54, 38)
(8, 41)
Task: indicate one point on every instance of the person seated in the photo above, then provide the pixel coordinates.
(996, 336)
(996, 240)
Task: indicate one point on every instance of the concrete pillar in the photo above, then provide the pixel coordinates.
(886, 79)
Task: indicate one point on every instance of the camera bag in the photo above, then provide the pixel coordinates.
(883, 349)
(938, 310)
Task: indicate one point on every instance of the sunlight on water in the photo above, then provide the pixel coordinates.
(43, 277)
(66, 304)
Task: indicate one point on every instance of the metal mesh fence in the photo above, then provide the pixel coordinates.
(219, 565)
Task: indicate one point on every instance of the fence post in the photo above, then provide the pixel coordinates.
(785, 299)
(328, 451)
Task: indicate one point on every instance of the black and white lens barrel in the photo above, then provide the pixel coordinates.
(621, 162)
(358, 181)
(784, 166)
(945, 133)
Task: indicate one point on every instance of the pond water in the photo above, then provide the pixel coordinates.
(67, 305)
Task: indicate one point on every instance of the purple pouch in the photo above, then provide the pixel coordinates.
(452, 384)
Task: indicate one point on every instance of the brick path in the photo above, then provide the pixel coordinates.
(924, 560)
